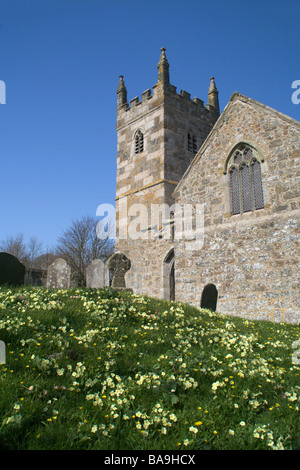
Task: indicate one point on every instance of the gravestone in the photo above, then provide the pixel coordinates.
(97, 274)
(118, 264)
(58, 275)
(2, 352)
(12, 272)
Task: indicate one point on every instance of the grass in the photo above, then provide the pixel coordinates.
(97, 369)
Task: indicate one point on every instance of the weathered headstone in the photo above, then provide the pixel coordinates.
(2, 352)
(97, 274)
(12, 272)
(58, 275)
(118, 264)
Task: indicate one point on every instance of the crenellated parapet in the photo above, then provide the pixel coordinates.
(167, 95)
(159, 134)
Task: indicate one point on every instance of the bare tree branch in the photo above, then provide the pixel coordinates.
(79, 245)
(15, 245)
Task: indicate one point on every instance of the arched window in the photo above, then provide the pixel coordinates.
(139, 142)
(245, 180)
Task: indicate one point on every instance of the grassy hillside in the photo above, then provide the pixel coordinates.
(89, 369)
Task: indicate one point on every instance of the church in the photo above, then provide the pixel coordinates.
(236, 173)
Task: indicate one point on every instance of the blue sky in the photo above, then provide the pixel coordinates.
(61, 60)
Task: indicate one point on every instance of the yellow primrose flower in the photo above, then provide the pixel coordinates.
(193, 429)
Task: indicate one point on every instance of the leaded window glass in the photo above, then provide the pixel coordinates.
(246, 188)
(235, 192)
(257, 185)
(245, 181)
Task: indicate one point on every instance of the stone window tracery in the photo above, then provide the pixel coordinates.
(245, 180)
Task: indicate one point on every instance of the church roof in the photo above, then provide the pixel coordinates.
(236, 96)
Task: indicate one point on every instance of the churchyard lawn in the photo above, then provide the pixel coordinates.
(100, 369)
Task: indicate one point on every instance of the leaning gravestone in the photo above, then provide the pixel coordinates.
(12, 272)
(118, 264)
(97, 274)
(58, 275)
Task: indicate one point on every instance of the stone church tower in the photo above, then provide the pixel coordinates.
(239, 172)
(158, 137)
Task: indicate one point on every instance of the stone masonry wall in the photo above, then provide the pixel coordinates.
(182, 116)
(150, 177)
(252, 258)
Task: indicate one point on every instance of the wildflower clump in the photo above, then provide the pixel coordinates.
(101, 369)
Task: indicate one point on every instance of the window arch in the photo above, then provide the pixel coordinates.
(246, 189)
(139, 142)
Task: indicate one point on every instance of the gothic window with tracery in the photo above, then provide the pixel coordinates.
(139, 142)
(246, 188)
